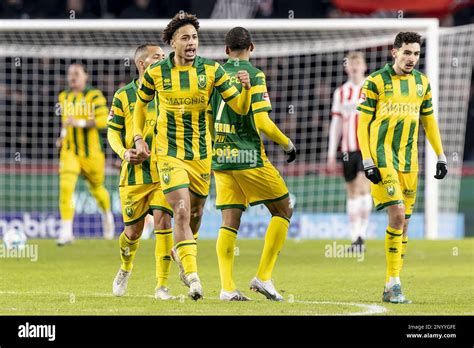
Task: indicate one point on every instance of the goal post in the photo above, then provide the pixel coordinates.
(303, 61)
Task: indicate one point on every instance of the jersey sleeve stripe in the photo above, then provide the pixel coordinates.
(109, 125)
(365, 111)
(230, 96)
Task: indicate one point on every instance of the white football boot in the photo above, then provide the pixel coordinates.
(235, 295)
(162, 293)
(65, 233)
(120, 282)
(195, 288)
(266, 288)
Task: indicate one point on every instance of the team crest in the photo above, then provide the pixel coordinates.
(166, 178)
(419, 90)
(129, 211)
(391, 190)
(202, 81)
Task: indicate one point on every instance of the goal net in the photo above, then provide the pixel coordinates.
(303, 61)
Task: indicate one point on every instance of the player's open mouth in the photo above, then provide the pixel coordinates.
(190, 52)
(409, 66)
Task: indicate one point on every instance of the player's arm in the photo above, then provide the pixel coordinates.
(335, 129)
(261, 106)
(265, 124)
(60, 112)
(238, 101)
(432, 133)
(145, 94)
(115, 127)
(210, 119)
(366, 107)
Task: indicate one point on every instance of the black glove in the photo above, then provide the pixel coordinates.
(291, 152)
(441, 170)
(373, 174)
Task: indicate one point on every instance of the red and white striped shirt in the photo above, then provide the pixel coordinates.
(344, 105)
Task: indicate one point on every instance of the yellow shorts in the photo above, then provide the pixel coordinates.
(396, 187)
(176, 173)
(239, 188)
(140, 200)
(92, 167)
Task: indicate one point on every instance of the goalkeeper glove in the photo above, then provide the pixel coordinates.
(371, 171)
(290, 150)
(441, 167)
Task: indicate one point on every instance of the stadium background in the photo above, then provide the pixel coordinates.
(28, 178)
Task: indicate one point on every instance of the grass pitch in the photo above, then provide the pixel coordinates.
(77, 280)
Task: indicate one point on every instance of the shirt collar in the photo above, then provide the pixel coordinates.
(171, 64)
(392, 72)
(241, 62)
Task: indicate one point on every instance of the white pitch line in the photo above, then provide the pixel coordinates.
(370, 309)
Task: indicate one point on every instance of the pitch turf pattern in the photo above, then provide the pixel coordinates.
(438, 277)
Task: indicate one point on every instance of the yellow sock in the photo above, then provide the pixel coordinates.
(67, 184)
(404, 249)
(196, 235)
(393, 252)
(274, 239)
(102, 197)
(187, 252)
(225, 256)
(128, 249)
(163, 245)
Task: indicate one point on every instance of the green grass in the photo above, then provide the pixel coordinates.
(77, 280)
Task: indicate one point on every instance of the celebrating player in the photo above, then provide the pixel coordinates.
(184, 83)
(243, 173)
(392, 102)
(83, 113)
(344, 120)
(140, 191)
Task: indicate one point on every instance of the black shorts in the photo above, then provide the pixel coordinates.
(352, 164)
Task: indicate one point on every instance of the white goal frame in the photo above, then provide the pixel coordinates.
(429, 26)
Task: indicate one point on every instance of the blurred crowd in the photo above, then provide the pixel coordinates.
(454, 12)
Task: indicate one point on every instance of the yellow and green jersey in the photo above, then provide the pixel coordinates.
(120, 120)
(85, 105)
(395, 103)
(237, 141)
(183, 94)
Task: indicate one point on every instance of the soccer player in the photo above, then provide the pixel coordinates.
(140, 191)
(393, 101)
(243, 173)
(344, 121)
(184, 83)
(83, 113)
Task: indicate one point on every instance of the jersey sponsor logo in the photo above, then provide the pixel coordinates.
(234, 80)
(363, 98)
(224, 128)
(186, 101)
(266, 96)
(205, 176)
(111, 114)
(409, 193)
(419, 90)
(202, 81)
(399, 109)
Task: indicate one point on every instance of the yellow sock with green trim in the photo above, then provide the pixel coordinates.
(393, 252)
(404, 249)
(163, 245)
(225, 256)
(128, 249)
(187, 252)
(274, 239)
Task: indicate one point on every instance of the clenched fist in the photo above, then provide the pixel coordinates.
(244, 79)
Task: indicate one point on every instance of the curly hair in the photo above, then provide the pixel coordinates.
(179, 20)
(407, 38)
